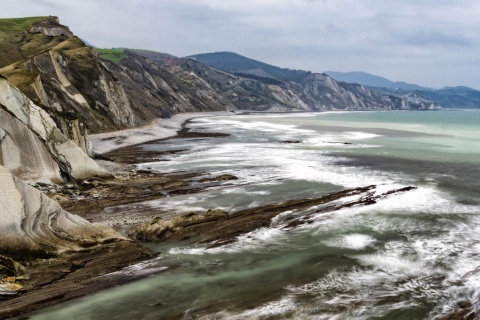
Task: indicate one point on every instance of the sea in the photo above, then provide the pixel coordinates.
(411, 255)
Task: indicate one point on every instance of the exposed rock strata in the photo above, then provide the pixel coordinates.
(74, 276)
(220, 228)
(32, 224)
(312, 92)
(32, 146)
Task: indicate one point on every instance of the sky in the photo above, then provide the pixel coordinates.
(434, 43)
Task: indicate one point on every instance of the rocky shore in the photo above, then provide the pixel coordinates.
(45, 281)
(34, 280)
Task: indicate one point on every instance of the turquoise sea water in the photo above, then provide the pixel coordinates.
(409, 256)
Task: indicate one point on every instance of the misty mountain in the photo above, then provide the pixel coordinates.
(249, 68)
(447, 97)
(371, 80)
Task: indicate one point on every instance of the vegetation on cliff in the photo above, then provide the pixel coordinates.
(114, 55)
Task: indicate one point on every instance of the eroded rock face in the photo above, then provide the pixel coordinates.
(51, 27)
(313, 92)
(33, 224)
(33, 147)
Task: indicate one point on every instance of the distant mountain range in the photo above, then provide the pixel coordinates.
(447, 97)
(371, 80)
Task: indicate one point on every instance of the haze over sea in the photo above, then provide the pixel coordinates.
(412, 255)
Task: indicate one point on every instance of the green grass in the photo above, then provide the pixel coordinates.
(18, 24)
(114, 55)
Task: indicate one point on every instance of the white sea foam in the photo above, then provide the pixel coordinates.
(256, 241)
(351, 241)
(259, 126)
(358, 135)
(265, 311)
(268, 310)
(244, 191)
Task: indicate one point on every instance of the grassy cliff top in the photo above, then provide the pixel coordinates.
(17, 43)
(19, 24)
(115, 55)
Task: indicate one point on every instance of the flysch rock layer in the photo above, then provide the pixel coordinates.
(32, 223)
(32, 146)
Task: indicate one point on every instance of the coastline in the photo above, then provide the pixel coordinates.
(194, 221)
(155, 130)
(75, 274)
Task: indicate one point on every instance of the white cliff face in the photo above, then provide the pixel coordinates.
(32, 222)
(24, 153)
(33, 147)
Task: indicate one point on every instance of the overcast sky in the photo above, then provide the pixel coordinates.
(433, 43)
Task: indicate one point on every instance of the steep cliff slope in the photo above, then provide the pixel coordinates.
(32, 146)
(162, 93)
(308, 91)
(46, 100)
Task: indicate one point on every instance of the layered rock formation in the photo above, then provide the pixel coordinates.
(33, 147)
(33, 224)
(306, 92)
(41, 140)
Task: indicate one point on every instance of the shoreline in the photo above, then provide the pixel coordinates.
(70, 275)
(203, 228)
(156, 130)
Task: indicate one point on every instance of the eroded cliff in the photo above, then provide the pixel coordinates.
(33, 147)
(32, 224)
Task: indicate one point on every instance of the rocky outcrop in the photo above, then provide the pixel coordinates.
(76, 89)
(50, 27)
(33, 147)
(32, 224)
(217, 227)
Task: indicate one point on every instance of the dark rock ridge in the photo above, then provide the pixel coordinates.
(218, 227)
(74, 276)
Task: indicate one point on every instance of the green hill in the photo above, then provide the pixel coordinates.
(19, 24)
(249, 68)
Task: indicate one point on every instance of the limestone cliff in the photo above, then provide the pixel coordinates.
(33, 147)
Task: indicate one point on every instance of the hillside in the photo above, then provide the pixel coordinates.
(311, 92)
(22, 38)
(246, 67)
(456, 97)
(371, 80)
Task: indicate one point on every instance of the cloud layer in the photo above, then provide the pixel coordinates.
(431, 43)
